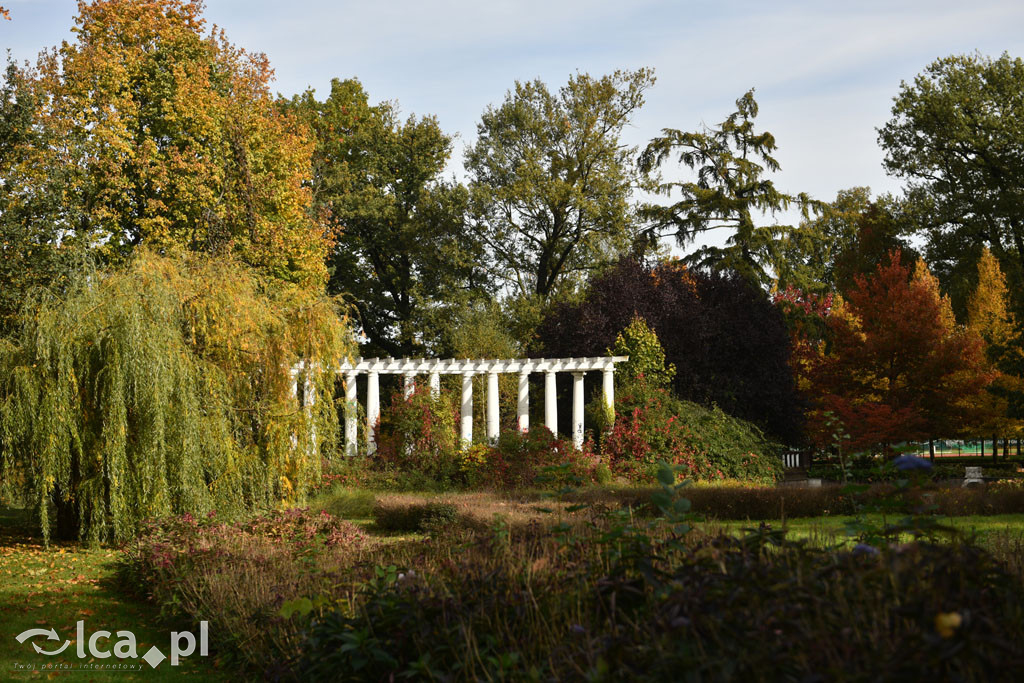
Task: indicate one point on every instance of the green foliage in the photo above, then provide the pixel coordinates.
(29, 254)
(418, 434)
(646, 356)
(955, 137)
(403, 251)
(652, 425)
(849, 237)
(729, 191)
(550, 180)
(165, 388)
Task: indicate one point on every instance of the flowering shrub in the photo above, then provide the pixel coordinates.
(518, 459)
(418, 434)
(651, 425)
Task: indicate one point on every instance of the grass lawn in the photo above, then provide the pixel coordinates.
(832, 529)
(55, 587)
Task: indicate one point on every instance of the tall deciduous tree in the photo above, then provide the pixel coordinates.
(150, 131)
(551, 181)
(898, 367)
(731, 161)
(849, 237)
(30, 256)
(957, 137)
(402, 251)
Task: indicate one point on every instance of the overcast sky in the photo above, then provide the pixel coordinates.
(825, 72)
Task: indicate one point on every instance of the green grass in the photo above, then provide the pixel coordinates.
(832, 529)
(56, 587)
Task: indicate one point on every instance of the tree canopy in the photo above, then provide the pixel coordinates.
(402, 251)
(957, 137)
(165, 387)
(550, 181)
(727, 341)
(730, 161)
(897, 366)
(146, 130)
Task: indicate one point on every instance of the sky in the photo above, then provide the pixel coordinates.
(824, 72)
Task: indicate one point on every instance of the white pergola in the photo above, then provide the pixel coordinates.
(434, 368)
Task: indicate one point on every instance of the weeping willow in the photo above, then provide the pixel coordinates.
(164, 388)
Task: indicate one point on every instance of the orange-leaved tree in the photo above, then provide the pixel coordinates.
(153, 131)
(897, 366)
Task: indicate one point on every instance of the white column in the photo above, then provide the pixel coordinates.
(550, 404)
(466, 431)
(351, 407)
(409, 384)
(609, 390)
(372, 410)
(577, 409)
(435, 384)
(309, 400)
(523, 408)
(492, 407)
(295, 397)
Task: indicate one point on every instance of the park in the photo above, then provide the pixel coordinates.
(283, 396)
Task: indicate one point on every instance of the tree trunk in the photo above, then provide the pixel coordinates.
(995, 448)
(931, 449)
(1006, 448)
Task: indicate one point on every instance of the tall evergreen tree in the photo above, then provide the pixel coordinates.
(731, 161)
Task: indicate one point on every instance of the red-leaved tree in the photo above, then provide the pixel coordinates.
(896, 366)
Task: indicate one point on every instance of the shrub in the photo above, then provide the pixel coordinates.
(758, 608)
(651, 425)
(418, 434)
(519, 459)
(411, 517)
(237, 575)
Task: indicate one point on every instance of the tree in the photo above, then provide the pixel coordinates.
(726, 340)
(646, 355)
(897, 367)
(30, 257)
(957, 137)
(165, 387)
(150, 132)
(730, 161)
(550, 181)
(1000, 408)
(849, 237)
(403, 252)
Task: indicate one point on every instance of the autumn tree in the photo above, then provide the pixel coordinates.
(898, 367)
(731, 191)
(403, 252)
(957, 136)
(164, 386)
(1001, 408)
(149, 130)
(551, 182)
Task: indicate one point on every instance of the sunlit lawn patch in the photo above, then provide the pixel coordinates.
(58, 586)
